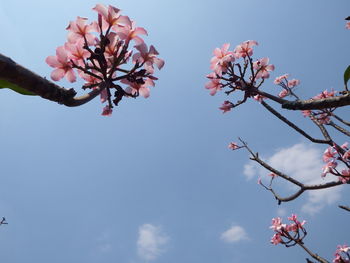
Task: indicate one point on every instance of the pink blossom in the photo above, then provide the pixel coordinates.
(343, 248)
(111, 17)
(78, 30)
(276, 239)
(148, 57)
(344, 145)
(76, 52)
(107, 111)
(131, 32)
(329, 154)
(341, 254)
(142, 89)
(273, 175)
(324, 94)
(279, 79)
(226, 106)
(346, 156)
(328, 168)
(62, 64)
(221, 59)
(292, 83)
(345, 178)
(245, 49)
(233, 146)
(277, 224)
(263, 68)
(347, 25)
(283, 93)
(213, 86)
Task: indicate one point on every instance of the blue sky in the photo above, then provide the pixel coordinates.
(155, 182)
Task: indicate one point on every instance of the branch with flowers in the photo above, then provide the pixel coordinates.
(293, 234)
(247, 76)
(102, 54)
(236, 72)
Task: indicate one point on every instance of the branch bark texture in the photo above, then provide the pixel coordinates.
(28, 80)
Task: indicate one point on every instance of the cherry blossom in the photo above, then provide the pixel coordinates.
(273, 175)
(345, 178)
(342, 254)
(347, 25)
(283, 93)
(346, 156)
(226, 106)
(221, 59)
(107, 111)
(292, 83)
(279, 79)
(329, 154)
(100, 53)
(233, 146)
(148, 57)
(288, 234)
(262, 66)
(62, 65)
(328, 167)
(245, 49)
(325, 94)
(213, 86)
(130, 32)
(79, 30)
(276, 239)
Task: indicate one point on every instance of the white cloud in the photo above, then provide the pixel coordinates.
(151, 242)
(304, 163)
(234, 234)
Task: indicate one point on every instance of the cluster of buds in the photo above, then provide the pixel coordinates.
(287, 85)
(288, 234)
(331, 156)
(97, 51)
(342, 254)
(246, 75)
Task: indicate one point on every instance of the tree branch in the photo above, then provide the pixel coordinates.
(292, 125)
(344, 207)
(319, 104)
(303, 187)
(28, 80)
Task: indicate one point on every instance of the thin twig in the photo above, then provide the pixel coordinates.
(303, 187)
(340, 129)
(292, 125)
(344, 207)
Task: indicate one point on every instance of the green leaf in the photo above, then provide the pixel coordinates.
(346, 76)
(5, 84)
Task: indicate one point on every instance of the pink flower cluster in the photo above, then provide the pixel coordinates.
(286, 84)
(234, 146)
(342, 254)
(321, 116)
(288, 234)
(330, 156)
(229, 75)
(97, 51)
